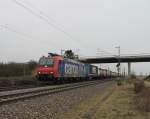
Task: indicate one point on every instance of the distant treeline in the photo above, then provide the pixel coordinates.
(17, 69)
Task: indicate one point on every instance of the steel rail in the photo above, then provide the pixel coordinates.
(7, 98)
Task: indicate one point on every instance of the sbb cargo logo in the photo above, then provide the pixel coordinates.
(71, 69)
(94, 70)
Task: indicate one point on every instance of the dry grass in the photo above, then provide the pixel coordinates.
(142, 99)
(130, 80)
(120, 106)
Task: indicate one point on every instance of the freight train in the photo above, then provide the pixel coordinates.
(56, 68)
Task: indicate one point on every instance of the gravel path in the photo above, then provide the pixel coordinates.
(50, 106)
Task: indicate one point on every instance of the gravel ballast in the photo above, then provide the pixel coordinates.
(50, 106)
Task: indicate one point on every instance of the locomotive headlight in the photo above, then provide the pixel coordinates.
(39, 72)
(51, 72)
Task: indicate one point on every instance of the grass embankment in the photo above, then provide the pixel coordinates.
(17, 81)
(114, 103)
(121, 105)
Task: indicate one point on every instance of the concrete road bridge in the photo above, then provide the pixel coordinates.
(115, 59)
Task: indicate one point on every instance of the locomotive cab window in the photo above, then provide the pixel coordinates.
(46, 62)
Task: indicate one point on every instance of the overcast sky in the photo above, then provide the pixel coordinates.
(32, 28)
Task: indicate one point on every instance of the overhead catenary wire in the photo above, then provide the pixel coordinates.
(18, 32)
(45, 18)
(41, 15)
(15, 31)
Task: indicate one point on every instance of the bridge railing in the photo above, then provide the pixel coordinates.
(116, 56)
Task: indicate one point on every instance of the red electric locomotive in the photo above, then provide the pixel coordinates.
(56, 68)
(48, 67)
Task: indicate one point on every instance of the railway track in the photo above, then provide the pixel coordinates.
(24, 86)
(6, 88)
(12, 96)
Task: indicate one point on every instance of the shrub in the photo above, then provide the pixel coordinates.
(143, 99)
(119, 82)
(138, 86)
(147, 78)
(133, 76)
(17, 69)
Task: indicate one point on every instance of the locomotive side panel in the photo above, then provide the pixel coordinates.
(70, 69)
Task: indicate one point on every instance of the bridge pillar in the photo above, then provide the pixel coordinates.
(129, 68)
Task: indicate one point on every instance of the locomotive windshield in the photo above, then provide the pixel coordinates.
(46, 62)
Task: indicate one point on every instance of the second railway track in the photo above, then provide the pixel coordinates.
(11, 96)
